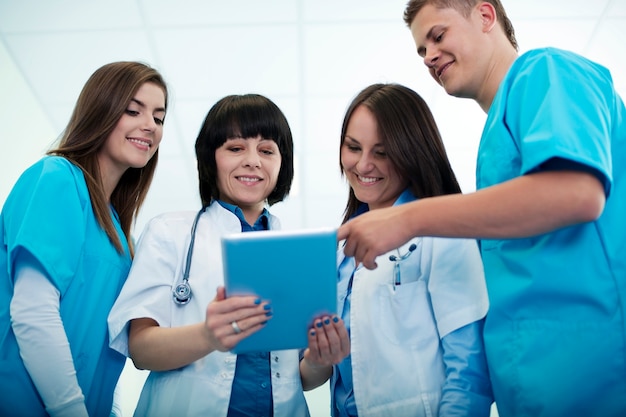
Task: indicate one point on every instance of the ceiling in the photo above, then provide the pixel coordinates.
(309, 56)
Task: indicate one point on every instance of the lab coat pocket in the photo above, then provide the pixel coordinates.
(404, 314)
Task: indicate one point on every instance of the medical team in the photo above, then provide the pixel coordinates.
(545, 227)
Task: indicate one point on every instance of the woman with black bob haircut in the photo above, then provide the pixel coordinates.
(245, 162)
(243, 116)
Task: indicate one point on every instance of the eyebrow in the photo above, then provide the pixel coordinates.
(429, 35)
(376, 145)
(142, 104)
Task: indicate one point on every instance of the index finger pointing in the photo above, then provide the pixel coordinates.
(343, 232)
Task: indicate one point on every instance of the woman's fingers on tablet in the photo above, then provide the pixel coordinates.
(329, 340)
(229, 320)
(252, 320)
(232, 332)
(222, 304)
(338, 339)
(237, 308)
(317, 339)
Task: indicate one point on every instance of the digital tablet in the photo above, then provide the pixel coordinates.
(296, 271)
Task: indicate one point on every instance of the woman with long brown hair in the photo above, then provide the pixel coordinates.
(67, 247)
(416, 321)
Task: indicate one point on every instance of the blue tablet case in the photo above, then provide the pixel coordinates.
(296, 271)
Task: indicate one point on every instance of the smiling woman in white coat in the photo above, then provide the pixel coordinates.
(415, 322)
(169, 317)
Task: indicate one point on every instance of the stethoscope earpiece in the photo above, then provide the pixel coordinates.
(394, 258)
(397, 280)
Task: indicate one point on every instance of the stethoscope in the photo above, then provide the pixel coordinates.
(182, 292)
(397, 280)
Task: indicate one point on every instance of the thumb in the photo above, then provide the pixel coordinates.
(220, 293)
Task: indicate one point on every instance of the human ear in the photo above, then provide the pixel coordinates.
(488, 16)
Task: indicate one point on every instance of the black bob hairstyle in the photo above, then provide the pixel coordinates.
(244, 116)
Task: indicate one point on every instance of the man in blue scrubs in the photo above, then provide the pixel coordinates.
(550, 210)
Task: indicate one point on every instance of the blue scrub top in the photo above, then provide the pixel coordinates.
(49, 214)
(557, 300)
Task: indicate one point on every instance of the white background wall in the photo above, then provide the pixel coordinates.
(309, 56)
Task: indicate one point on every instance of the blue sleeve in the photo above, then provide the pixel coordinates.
(559, 106)
(45, 215)
(467, 388)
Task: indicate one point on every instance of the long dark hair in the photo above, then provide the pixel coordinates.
(102, 102)
(408, 131)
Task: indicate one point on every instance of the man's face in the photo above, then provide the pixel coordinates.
(450, 45)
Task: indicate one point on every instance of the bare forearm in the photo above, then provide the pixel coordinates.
(522, 207)
(162, 348)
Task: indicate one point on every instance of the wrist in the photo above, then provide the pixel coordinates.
(317, 368)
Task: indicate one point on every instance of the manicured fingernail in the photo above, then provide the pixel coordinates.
(267, 307)
(312, 332)
(257, 301)
(335, 319)
(268, 314)
(318, 324)
(327, 321)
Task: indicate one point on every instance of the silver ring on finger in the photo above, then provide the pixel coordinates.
(236, 327)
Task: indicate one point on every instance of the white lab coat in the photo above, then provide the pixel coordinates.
(397, 363)
(202, 388)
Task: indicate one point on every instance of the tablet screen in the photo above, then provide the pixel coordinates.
(296, 271)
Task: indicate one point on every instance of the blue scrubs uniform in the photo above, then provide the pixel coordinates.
(555, 334)
(49, 214)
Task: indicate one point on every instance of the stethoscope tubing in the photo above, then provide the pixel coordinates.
(182, 292)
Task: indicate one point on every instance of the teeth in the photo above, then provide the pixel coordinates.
(367, 179)
(247, 179)
(141, 142)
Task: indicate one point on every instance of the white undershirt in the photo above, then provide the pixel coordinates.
(41, 337)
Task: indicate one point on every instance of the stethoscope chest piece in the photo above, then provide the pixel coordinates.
(182, 293)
